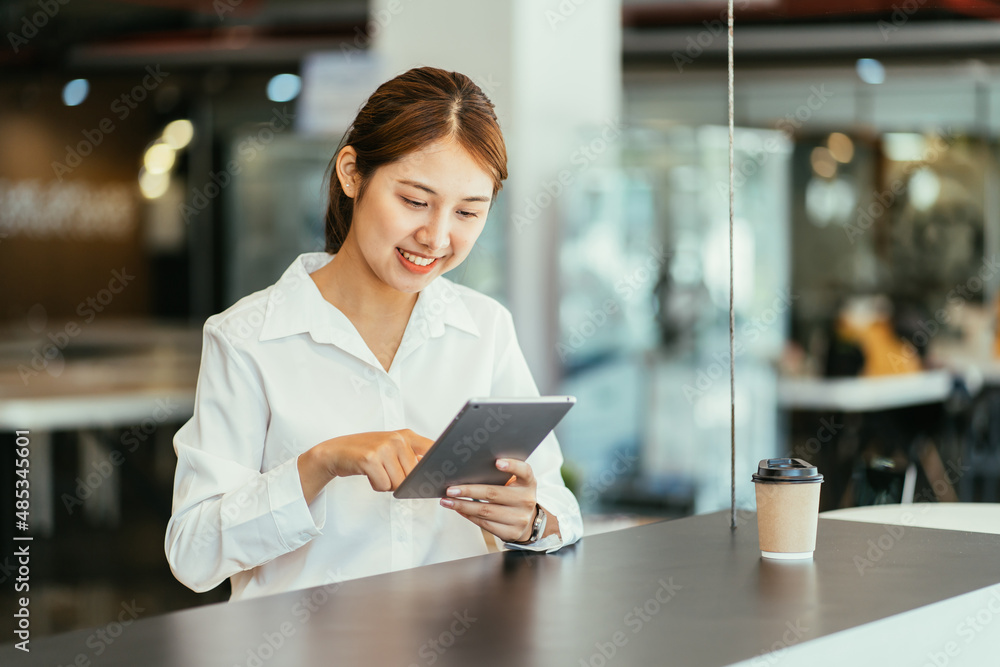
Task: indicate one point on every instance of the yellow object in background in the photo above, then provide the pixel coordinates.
(885, 353)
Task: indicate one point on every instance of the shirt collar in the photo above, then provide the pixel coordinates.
(295, 305)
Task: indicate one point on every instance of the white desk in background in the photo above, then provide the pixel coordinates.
(113, 374)
(980, 370)
(969, 517)
(864, 394)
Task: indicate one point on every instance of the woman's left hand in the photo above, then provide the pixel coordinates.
(508, 511)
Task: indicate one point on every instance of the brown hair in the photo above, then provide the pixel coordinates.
(404, 114)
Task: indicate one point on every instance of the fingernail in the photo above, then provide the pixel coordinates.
(447, 503)
(502, 464)
(453, 491)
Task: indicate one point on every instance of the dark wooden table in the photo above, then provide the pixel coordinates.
(685, 592)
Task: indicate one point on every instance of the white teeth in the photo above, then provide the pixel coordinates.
(419, 261)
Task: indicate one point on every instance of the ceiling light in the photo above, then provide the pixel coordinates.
(923, 189)
(904, 146)
(178, 134)
(870, 70)
(153, 185)
(159, 158)
(823, 163)
(841, 147)
(75, 92)
(284, 87)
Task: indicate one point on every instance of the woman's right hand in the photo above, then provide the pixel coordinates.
(384, 457)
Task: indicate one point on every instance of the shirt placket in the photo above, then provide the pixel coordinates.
(400, 511)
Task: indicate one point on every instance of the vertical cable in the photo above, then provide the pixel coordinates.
(732, 315)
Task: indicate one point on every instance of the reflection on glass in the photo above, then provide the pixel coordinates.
(870, 71)
(153, 184)
(829, 201)
(841, 147)
(644, 283)
(178, 134)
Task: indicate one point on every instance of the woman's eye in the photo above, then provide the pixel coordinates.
(415, 204)
(468, 214)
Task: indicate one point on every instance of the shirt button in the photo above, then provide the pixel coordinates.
(390, 392)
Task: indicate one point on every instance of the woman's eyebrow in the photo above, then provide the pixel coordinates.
(421, 186)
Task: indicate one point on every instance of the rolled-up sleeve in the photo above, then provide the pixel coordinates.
(512, 377)
(228, 516)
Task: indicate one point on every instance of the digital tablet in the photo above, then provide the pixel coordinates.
(485, 429)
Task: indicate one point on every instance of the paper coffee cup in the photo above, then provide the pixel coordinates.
(787, 507)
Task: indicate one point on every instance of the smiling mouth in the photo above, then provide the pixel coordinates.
(417, 260)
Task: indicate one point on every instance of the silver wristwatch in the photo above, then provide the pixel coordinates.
(538, 527)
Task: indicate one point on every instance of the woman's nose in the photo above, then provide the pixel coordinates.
(434, 234)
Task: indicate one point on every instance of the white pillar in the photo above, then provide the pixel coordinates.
(553, 70)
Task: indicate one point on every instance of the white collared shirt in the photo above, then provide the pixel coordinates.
(283, 370)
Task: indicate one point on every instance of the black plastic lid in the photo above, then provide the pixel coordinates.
(786, 470)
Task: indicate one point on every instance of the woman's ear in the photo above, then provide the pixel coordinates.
(347, 172)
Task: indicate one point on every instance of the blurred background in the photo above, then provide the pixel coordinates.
(160, 159)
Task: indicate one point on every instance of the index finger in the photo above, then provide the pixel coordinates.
(407, 459)
(520, 469)
(418, 443)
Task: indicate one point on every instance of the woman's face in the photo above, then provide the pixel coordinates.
(431, 204)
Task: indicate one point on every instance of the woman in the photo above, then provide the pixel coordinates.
(317, 395)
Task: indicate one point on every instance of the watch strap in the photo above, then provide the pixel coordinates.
(538, 526)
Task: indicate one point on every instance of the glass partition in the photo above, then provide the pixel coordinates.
(644, 294)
